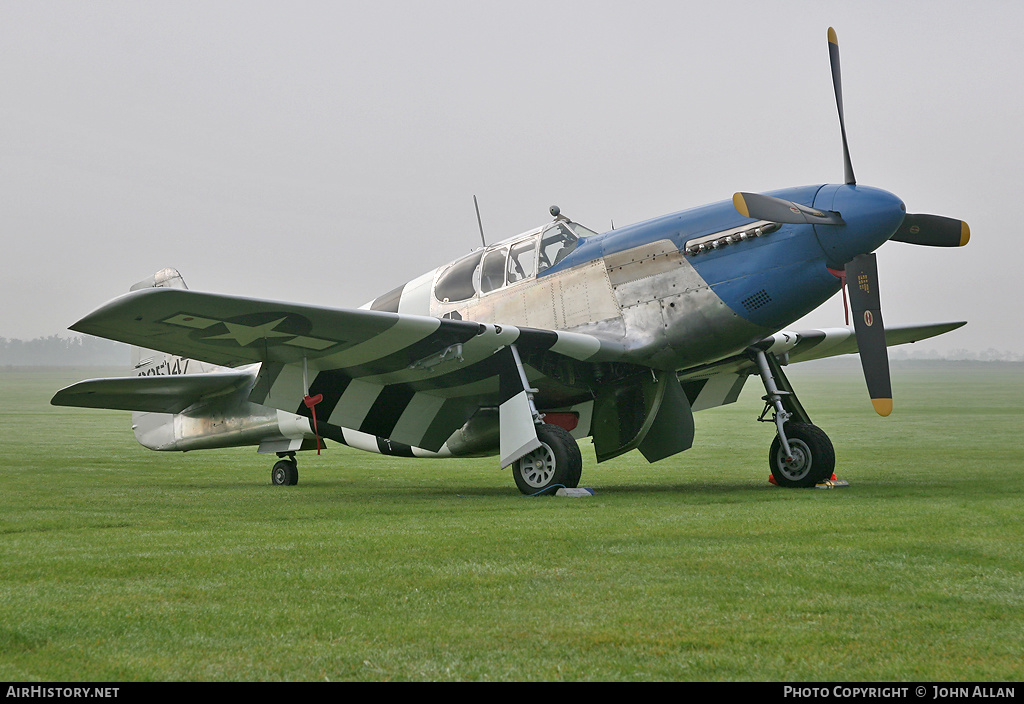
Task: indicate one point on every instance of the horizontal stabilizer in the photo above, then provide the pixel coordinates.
(154, 394)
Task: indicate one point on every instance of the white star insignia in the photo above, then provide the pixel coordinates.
(245, 334)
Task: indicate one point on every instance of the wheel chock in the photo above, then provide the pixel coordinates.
(565, 491)
(827, 484)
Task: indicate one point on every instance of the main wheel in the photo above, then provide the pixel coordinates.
(557, 462)
(285, 473)
(813, 461)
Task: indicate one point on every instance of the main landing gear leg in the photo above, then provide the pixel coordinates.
(286, 471)
(801, 454)
(555, 459)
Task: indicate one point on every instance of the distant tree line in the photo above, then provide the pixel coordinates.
(57, 351)
(89, 351)
(911, 352)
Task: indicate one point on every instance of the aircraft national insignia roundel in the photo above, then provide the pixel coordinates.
(244, 330)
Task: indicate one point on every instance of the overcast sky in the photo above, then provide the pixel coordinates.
(326, 152)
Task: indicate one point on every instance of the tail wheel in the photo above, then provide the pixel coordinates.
(557, 462)
(813, 460)
(285, 473)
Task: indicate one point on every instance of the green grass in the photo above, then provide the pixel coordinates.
(123, 564)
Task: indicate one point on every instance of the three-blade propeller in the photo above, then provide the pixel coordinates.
(861, 272)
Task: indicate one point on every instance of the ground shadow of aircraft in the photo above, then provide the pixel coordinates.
(526, 346)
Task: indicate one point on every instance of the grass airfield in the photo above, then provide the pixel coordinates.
(122, 564)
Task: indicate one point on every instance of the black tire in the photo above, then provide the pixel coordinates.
(814, 458)
(285, 473)
(557, 462)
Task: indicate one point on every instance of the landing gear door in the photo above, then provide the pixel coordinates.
(646, 411)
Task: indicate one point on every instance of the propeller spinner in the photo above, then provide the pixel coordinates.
(861, 271)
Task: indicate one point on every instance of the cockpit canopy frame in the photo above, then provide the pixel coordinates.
(509, 262)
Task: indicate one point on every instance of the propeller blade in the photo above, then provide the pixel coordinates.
(862, 280)
(761, 207)
(837, 84)
(933, 231)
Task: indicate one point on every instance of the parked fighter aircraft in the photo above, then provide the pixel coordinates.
(527, 345)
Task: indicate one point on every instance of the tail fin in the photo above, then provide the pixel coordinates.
(165, 278)
(150, 362)
(189, 408)
(158, 430)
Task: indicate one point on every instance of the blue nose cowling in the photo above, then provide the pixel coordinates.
(871, 216)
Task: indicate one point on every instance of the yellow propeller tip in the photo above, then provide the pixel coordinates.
(883, 406)
(832, 36)
(740, 205)
(965, 233)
